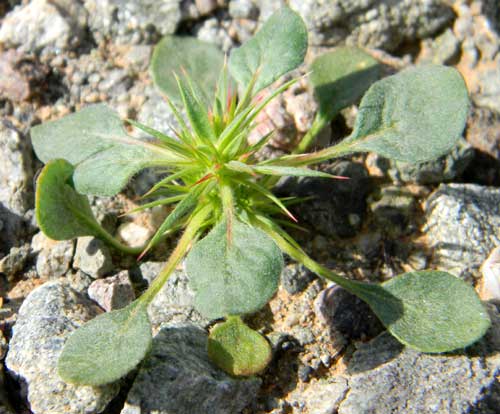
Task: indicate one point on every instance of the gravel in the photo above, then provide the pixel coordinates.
(46, 318)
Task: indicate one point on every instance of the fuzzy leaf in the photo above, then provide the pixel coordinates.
(237, 349)
(96, 143)
(202, 61)
(341, 77)
(413, 116)
(278, 47)
(235, 276)
(61, 212)
(107, 347)
(430, 311)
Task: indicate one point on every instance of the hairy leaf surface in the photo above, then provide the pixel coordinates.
(414, 116)
(237, 349)
(201, 60)
(96, 143)
(431, 311)
(234, 272)
(277, 48)
(61, 212)
(341, 77)
(107, 347)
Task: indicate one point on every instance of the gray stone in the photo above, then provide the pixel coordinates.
(174, 302)
(138, 57)
(489, 83)
(54, 257)
(16, 172)
(113, 292)
(441, 50)
(462, 227)
(243, 9)
(389, 379)
(12, 230)
(15, 261)
(385, 377)
(213, 31)
(345, 314)
(92, 256)
(177, 377)
(133, 21)
(46, 318)
(295, 278)
(320, 396)
(38, 24)
(339, 206)
(371, 23)
(3, 346)
(445, 168)
(155, 113)
(393, 209)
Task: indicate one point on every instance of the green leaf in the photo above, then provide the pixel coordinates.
(186, 205)
(202, 61)
(237, 349)
(96, 143)
(234, 270)
(430, 311)
(61, 212)
(414, 116)
(278, 47)
(107, 347)
(291, 171)
(341, 77)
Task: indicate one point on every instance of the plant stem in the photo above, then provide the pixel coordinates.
(353, 286)
(188, 236)
(318, 124)
(112, 241)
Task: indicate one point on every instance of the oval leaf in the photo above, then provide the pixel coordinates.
(341, 77)
(237, 349)
(96, 143)
(236, 275)
(61, 212)
(414, 116)
(107, 347)
(175, 54)
(279, 47)
(430, 311)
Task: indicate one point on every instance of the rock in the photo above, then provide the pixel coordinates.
(490, 282)
(133, 234)
(46, 318)
(78, 281)
(462, 227)
(54, 257)
(320, 396)
(133, 21)
(113, 292)
(370, 23)
(443, 169)
(243, 9)
(346, 314)
(15, 261)
(92, 256)
(213, 31)
(385, 378)
(174, 302)
(16, 171)
(393, 209)
(19, 75)
(295, 278)
(205, 6)
(138, 57)
(339, 206)
(155, 113)
(177, 377)
(440, 51)
(56, 25)
(483, 131)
